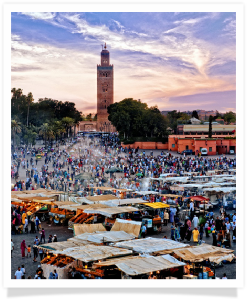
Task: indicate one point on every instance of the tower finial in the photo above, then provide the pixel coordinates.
(105, 46)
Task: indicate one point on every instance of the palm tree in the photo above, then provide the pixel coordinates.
(29, 100)
(44, 131)
(15, 129)
(68, 123)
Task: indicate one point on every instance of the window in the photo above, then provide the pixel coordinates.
(173, 145)
(187, 147)
(210, 149)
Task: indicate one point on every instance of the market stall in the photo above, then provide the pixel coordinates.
(110, 214)
(129, 226)
(87, 228)
(152, 220)
(60, 212)
(198, 255)
(138, 267)
(85, 256)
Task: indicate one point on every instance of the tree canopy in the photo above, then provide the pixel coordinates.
(133, 118)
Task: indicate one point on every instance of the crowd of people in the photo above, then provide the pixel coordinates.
(60, 166)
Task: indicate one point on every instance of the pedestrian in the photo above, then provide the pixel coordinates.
(23, 271)
(206, 229)
(18, 273)
(42, 235)
(144, 231)
(195, 235)
(201, 231)
(12, 247)
(33, 230)
(195, 221)
(55, 274)
(166, 218)
(29, 250)
(41, 253)
(51, 276)
(37, 223)
(23, 248)
(214, 238)
(50, 239)
(54, 238)
(188, 234)
(224, 276)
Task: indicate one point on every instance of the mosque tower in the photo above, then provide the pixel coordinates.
(104, 91)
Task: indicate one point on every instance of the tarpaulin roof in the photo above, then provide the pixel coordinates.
(114, 261)
(149, 245)
(105, 236)
(108, 212)
(102, 197)
(221, 189)
(120, 202)
(87, 228)
(62, 245)
(157, 205)
(146, 192)
(91, 253)
(131, 227)
(204, 252)
(149, 264)
(63, 203)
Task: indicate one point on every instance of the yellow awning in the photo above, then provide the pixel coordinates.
(157, 205)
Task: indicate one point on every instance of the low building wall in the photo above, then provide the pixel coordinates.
(147, 145)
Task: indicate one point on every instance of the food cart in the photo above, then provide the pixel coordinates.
(152, 220)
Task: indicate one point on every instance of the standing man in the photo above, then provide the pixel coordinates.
(18, 273)
(191, 209)
(195, 221)
(144, 231)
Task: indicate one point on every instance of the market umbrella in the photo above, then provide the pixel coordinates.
(139, 174)
(83, 176)
(114, 169)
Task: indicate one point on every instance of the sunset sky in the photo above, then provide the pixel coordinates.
(178, 61)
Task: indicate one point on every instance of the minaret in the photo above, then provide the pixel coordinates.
(104, 90)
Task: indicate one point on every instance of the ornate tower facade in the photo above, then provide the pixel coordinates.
(105, 82)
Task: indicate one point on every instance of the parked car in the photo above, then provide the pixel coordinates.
(231, 152)
(187, 152)
(204, 152)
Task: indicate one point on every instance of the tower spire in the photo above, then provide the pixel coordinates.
(105, 46)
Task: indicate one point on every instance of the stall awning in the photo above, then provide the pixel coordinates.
(149, 245)
(148, 264)
(121, 202)
(204, 252)
(101, 197)
(108, 212)
(63, 203)
(157, 205)
(90, 253)
(130, 227)
(87, 228)
(199, 198)
(105, 236)
(146, 192)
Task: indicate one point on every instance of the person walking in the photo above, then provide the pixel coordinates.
(42, 235)
(12, 247)
(37, 223)
(144, 231)
(50, 239)
(166, 217)
(206, 229)
(41, 253)
(201, 231)
(214, 238)
(195, 235)
(195, 221)
(33, 230)
(23, 248)
(23, 271)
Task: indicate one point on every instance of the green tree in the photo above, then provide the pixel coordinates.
(230, 117)
(45, 131)
(15, 129)
(68, 122)
(30, 137)
(30, 100)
